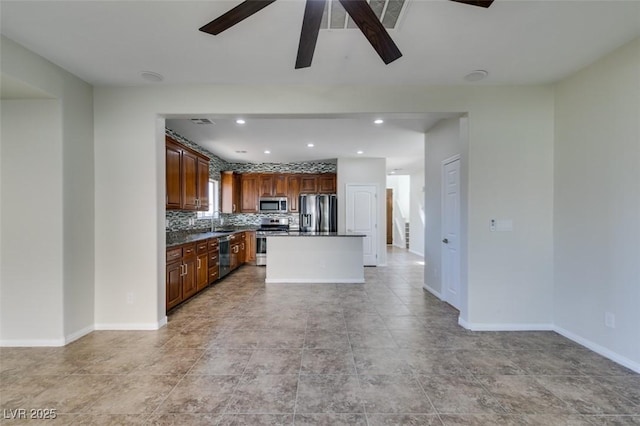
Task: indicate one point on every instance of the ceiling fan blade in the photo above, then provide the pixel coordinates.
(235, 15)
(481, 3)
(309, 34)
(372, 28)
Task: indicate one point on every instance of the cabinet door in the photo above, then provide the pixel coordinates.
(233, 256)
(174, 284)
(327, 183)
(189, 285)
(280, 186)
(203, 184)
(249, 193)
(242, 255)
(293, 184)
(173, 162)
(227, 191)
(189, 181)
(202, 271)
(251, 246)
(308, 184)
(266, 185)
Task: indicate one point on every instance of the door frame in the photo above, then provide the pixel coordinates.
(444, 290)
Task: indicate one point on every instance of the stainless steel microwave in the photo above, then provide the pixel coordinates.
(273, 205)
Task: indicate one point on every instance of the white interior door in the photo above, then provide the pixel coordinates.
(451, 231)
(362, 217)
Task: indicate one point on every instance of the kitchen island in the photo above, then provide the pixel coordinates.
(315, 257)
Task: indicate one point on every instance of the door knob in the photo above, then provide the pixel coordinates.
(445, 241)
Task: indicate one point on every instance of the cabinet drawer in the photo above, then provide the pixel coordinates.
(213, 244)
(213, 274)
(213, 259)
(189, 251)
(174, 254)
(202, 247)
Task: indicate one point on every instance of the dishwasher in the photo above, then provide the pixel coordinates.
(224, 245)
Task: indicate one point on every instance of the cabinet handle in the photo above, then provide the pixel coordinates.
(198, 263)
(234, 208)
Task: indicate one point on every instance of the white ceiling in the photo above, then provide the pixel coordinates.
(400, 139)
(108, 43)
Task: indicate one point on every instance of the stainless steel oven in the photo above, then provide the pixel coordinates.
(261, 248)
(268, 227)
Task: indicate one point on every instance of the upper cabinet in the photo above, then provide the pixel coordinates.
(308, 184)
(187, 177)
(293, 184)
(327, 183)
(273, 185)
(249, 192)
(230, 192)
(241, 191)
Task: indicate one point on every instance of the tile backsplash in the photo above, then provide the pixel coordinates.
(179, 220)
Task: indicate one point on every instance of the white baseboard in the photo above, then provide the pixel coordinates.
(607, 353)
(314, 281)
(432, 291)
(78, 334)
(416, 253)
(163, 322)
(131, 326)
(504, 326)
(17, 343)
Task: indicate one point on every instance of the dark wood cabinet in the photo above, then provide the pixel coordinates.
(250, 242)
(189, 277)
(327, 183)
(280, 186)
(173, 182)
(308, 184)
(249, 193)
(293, 185)
(203, 184)
(174, 284)
(230, 192)
(202, 271)
(187, 178)
(266, 185)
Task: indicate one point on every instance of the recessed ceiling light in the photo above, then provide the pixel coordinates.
(267, 152)
(378, 121)
(360, 152)
(392, 172)
(310, 145)
(476, 75)
(151, 76)
(240, 121)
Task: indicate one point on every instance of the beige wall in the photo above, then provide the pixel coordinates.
(59, 202)
(510, 169)
(597, 204)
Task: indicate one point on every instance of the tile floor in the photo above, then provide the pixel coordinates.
(382, 353)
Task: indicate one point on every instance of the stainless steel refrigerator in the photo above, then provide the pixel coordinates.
(318, 213)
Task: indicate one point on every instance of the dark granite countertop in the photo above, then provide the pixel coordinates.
(319, 234)
(184, 237)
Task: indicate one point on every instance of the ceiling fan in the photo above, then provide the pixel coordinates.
(359, 11)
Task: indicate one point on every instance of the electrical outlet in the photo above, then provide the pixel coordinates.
(129, 298)
(609, 320)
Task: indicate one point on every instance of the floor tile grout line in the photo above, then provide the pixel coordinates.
(304, 341)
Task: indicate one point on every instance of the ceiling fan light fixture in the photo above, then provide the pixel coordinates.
(476, 75)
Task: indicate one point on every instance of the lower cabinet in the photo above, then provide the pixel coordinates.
(190, 268)
(174, 284)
